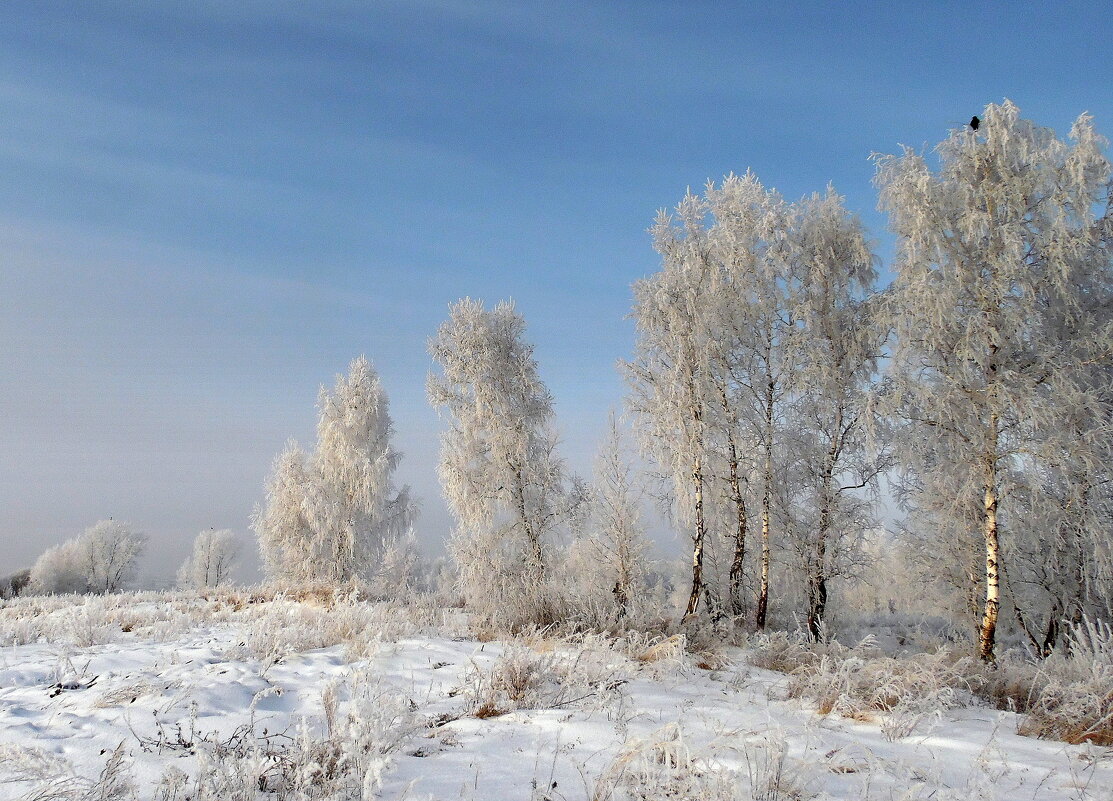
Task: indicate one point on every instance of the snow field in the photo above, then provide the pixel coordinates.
(255, 702)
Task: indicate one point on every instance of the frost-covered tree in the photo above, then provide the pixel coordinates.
(329, 515)
(941, 540)
(283, 526)
(109, 553)
(354, 505)
(14, 585)
(754, 342)
(498, 467)
(616, 541)
(1002, 320)
(103, 559)
(400, 569)
(212, 560)
(59, 571)
(670, 391)
(840, 338)
(712, 376)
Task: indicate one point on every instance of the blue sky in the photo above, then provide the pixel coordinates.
(208, 209)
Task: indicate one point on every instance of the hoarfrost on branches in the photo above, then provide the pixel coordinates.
(211, 562)
(499, 469)
(330, 514)
(1002, 360)
(103, 559)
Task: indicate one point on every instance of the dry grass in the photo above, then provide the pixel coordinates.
(664, 766)
(669, 649)
(1071, 698)
(1067, 697)
(488, 710)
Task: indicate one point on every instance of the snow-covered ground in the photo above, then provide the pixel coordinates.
(454, 718)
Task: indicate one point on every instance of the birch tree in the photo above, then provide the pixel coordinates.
(109, 553)
(58, 571)
(211, 561)
(1060, 566)
(103, 559)
(503, 481)
(619, 546)
(998, 327)
(839, 342)
(670, 391)
(283, 525)
(713, 368)
(754, 349)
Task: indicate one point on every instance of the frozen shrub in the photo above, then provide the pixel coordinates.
(858, 685)
(767, 770)
(784, 651)
(1068, 696)
(341, 755)
(664, 766)
(1072, 694)
(550, 675)
(520, 678)
(285, 626)
(360, 735)
(54, 779)
(861, 682)
(667, 652)
(277, 624)
(87, 625)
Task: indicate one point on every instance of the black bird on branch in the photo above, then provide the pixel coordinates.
(975, 122)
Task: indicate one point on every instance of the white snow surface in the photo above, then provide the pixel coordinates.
(78, 704)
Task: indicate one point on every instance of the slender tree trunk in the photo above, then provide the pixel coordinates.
(1080, 598)
(533, 538)
(817, 572)
(535, 568)
(1076, 613)
(697, 540)
(1073, 611)
(987, 631)
(338, 568)
(621, 600)
(537, 552)
(763, 591)
(738, 560)
(621, 589)
(1051, 635)
(973, 587)
(735, 603)
(766, 510)
(817, 601)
